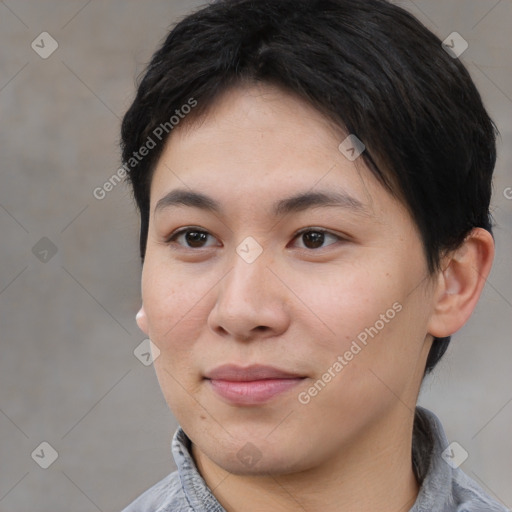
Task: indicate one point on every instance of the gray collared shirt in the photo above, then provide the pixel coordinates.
(443, 488)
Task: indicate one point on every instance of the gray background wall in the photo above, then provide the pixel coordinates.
(68, 375)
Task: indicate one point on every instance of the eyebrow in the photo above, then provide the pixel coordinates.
(294, 204)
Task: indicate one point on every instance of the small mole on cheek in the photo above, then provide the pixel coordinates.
(202, 416)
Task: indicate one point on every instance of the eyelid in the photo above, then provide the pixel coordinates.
(319, 230)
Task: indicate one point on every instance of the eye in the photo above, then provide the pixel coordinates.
(196, 238)
(314, 238)
(191, 238)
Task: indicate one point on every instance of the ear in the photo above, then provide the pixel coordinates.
(142, 320)
(460, 283)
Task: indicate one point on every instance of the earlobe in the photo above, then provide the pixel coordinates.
(460, 283)
(142, 320)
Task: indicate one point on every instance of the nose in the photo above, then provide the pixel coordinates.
(251, 302)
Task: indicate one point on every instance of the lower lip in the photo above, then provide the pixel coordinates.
(252, 392)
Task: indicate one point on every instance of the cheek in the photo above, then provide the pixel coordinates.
(176, 305)
(174, 300)
(367, 315)
(342, 303)
(380, 340)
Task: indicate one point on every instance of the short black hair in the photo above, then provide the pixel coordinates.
(369, 66)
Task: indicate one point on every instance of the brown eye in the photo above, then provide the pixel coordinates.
(313, 239)
(190, 238)
(316, 238)
(196, 238)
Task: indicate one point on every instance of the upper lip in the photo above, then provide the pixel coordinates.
(233, 372)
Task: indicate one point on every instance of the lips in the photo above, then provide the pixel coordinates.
(235, 373)
(251, 385)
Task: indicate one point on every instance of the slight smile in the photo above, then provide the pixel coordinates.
(251, 385)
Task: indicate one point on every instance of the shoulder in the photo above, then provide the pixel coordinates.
(470, 497)
(445, 487)
(165, 496)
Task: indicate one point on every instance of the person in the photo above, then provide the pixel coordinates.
(313, 179)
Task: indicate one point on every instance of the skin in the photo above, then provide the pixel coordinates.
(297, 307)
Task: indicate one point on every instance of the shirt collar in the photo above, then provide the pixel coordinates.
(197, 493)
(433, 473)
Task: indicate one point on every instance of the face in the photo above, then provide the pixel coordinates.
(319, 306)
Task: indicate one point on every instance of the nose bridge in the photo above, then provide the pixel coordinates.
(249, 276)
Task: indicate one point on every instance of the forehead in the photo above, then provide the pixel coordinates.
(258, 143)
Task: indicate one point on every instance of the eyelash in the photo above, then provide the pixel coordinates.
(171, 239)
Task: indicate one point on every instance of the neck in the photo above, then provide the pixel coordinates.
(373, 472)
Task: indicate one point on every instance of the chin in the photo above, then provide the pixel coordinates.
(257, 458)
(264, 467)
